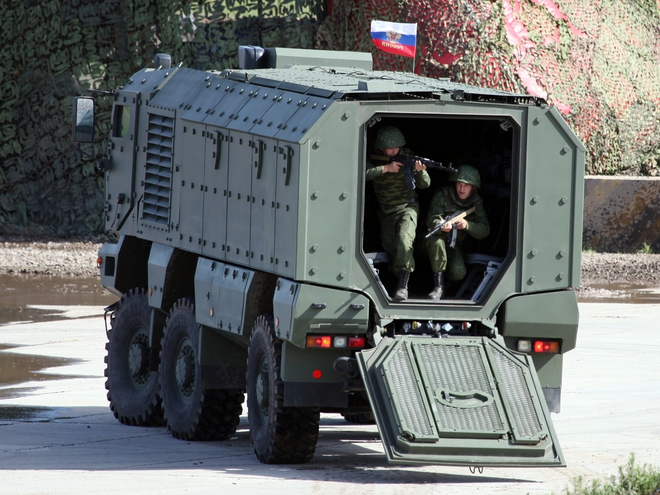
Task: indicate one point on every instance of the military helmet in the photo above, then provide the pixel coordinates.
(389, 137)
(468, 175)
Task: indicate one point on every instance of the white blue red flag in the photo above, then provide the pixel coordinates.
(395, 37)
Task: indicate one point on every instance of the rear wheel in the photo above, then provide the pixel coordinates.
(133, 389)
(280, 435)
(360, 418)
(190, 412)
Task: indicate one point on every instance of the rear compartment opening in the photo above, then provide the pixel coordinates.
(489, 145)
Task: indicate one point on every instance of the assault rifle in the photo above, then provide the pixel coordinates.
(408, 168)
(451, 220)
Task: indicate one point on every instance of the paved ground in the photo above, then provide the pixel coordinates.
(58, 436)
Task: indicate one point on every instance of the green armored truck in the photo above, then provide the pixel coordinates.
(249, 260)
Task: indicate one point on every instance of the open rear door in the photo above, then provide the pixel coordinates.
(458, 401)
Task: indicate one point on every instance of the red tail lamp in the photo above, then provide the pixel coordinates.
(546, 346)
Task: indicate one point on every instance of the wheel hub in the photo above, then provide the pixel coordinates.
(138, 358)
(185, 369)
(263, 391)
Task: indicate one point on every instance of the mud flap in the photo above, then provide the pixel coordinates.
(458, 402)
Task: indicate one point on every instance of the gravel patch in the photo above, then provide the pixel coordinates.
(603, 274)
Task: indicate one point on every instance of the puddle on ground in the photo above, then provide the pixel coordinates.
(619, 293)
(19, 292)
(18, 368)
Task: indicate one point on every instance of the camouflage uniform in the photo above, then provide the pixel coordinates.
(444, 203)
(398, 212)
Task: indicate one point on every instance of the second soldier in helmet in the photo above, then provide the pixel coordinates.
(448, 200)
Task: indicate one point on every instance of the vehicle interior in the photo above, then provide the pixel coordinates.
(488, 144)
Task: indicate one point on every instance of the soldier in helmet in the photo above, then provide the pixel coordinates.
(446, 201)
(398, 205)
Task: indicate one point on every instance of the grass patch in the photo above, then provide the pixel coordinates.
(631, 480)
(645, 249)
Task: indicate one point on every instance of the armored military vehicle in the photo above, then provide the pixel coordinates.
(248, 260)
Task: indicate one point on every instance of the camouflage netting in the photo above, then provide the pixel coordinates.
(53, 49)
(598, 61)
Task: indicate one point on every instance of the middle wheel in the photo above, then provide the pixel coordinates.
(190, 412)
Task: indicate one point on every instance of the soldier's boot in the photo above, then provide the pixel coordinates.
(402, 288)
(438, 280)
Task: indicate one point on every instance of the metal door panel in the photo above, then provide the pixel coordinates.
(258, 101)
(262, 220)
(286, 208)
(120, 191)
(458, 401)
(551, 235)
(216, 165)
(189, 177)
(239, 181)
(310, 109)
(285, 104)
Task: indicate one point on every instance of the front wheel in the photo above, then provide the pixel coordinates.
(280, 435)
(190, 412)
(133, 389)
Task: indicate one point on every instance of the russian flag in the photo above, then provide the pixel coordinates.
(395, 37)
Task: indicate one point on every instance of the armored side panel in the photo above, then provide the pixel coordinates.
(120, 191)
(159, 258)
(188, 183)
(264, 194)
(458, 402)
(216, 166)
(286, 209)
(223, 289)
(553, 185)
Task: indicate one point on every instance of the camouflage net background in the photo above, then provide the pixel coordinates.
(598, 61)
(51, 50)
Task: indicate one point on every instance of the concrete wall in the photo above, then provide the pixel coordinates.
(621, 213)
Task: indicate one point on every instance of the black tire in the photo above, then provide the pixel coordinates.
(133, 390)
(360, 418)
(280, 435)
(190, 412)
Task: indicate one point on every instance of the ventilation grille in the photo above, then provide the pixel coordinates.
(401, 378)
(460, 370)
(158, 172)
(524, 419)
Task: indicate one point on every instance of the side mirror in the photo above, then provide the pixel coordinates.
(83, 119)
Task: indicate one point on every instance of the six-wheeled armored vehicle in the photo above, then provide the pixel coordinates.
(248, 260)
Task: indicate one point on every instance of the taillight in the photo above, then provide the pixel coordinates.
(546, 346)
(337, 342)
(539, 346)
(319, 341)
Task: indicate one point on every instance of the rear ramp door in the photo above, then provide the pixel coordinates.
(460, 402)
